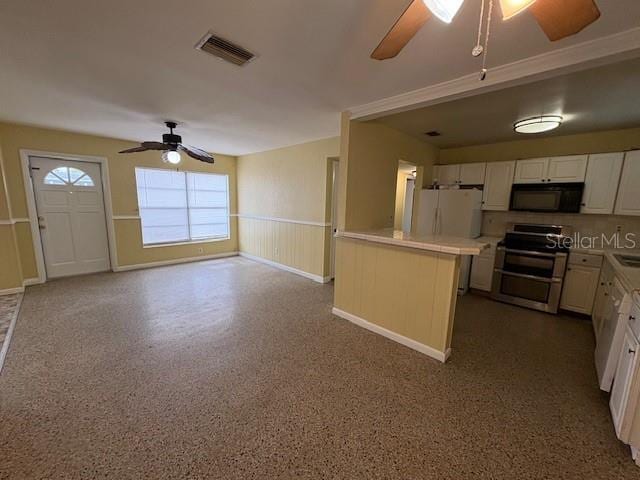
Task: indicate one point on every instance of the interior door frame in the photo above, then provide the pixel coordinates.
(25, 156)
(335, 177)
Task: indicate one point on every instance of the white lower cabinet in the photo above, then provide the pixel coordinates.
(581, 283)
(482, 273)
(603, 294)
(580, 286)
(482, 266)
(623, 399)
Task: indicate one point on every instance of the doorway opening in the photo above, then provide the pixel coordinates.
(405, 190)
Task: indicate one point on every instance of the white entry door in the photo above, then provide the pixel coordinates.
(71, 216)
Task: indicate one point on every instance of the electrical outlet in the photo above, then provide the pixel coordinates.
(200, 250)
(618, 228)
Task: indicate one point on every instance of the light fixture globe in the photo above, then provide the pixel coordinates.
(445, 10)
(171, 156)
(511, 8)
(541, 124)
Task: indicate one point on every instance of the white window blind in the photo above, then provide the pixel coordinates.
(182, 206)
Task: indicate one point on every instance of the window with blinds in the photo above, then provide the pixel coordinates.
(182, 206)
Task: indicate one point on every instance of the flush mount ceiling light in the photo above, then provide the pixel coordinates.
(510, 8)
(543, 123)
(445, 10)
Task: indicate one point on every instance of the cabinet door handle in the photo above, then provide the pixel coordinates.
(632, 318)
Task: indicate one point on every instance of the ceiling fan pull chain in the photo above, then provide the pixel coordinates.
(478, 49)
(483, 73)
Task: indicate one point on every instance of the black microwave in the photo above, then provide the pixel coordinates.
(547, 197)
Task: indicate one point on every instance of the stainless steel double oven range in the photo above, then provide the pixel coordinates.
(530, 266)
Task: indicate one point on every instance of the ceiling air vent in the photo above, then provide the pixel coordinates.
(221, 48)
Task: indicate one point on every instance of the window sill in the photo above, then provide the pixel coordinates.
(190, 242)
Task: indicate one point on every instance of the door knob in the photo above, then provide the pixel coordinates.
(632, 351)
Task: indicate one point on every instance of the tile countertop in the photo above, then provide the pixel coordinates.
(628, 276)
(432, 243)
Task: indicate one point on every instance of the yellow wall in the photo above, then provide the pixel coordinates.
(594, 142)
(372, 153)
(123, 191)
(10, 272)
(284, 202)
(409, 292)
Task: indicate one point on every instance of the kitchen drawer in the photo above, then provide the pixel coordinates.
(585, 259)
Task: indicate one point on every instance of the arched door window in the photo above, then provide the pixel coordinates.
(68, 176)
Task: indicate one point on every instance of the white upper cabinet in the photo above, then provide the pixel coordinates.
(531, 171)
(472, 173)
(460, 174)
(628, 201)
(567, 169)
(497, 186)
(601, 183)
(448, 174)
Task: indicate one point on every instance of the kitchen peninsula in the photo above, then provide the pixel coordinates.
(401, 286)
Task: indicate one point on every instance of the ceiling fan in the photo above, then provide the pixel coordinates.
(557, 18)
(171, 146)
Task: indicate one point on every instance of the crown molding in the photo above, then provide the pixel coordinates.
(577, 57)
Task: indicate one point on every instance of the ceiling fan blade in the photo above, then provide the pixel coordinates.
(405, 28)
(196, 153)
(135, 150)
(156, 146)
(563, 18)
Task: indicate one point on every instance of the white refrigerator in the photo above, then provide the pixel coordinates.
(454, 213)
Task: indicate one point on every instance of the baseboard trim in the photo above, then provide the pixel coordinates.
(177, 261)
(11, 291)
(7, 338)
(396, 337)
(286, 268)
(27, 282)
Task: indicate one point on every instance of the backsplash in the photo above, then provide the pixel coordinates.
(495, 224)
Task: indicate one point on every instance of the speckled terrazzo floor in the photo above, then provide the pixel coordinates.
(233, 370)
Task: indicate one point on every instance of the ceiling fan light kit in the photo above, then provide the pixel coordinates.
(171, 156)
(511, 8)
(539, 124)
(445, 10)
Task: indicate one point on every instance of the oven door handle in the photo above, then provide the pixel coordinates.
(529, 277)
(532, 253)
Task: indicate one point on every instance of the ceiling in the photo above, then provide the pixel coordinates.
(119, 68)
(603, 98)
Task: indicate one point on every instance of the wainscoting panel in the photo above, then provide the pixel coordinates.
(297, 245)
